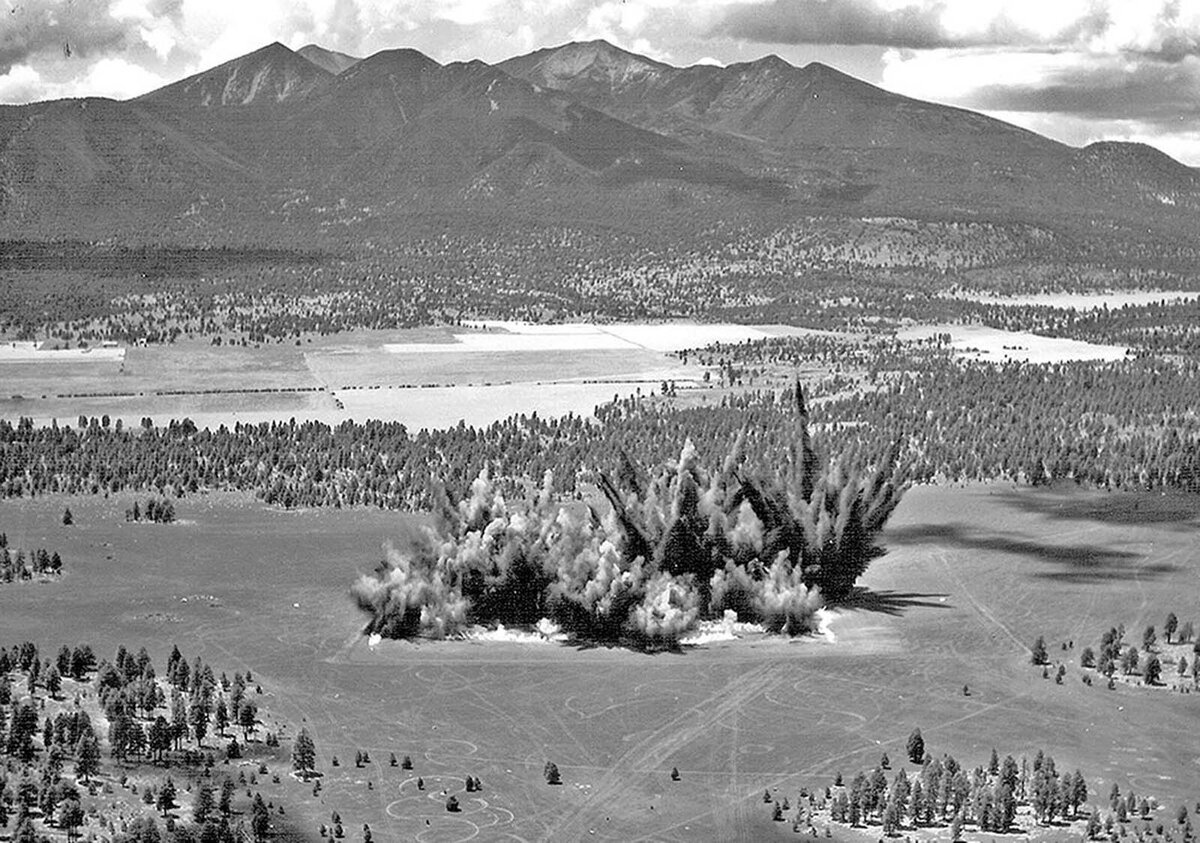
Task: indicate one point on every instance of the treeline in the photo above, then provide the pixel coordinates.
(16, 566)
(1123, 425)
(999, 797)
(1159, 328)
(154, 510)
(944, 793)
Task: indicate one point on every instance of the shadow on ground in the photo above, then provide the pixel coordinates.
(892, 602)
(1111, 508)
(1069, 563)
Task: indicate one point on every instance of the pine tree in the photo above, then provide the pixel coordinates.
(1038, 654)
(260, 818)
(87, 757)
(916, 747)
(304, 754)
(166, 796)
(205, 803)
(1152, 672)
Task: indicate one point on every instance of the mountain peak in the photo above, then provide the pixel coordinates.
(585, 64)
(269, 75)
(329, 60)
(403, 60)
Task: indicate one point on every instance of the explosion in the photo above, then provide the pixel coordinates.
(646, 561)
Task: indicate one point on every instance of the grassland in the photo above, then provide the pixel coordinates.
(973, 576)
(389, 375)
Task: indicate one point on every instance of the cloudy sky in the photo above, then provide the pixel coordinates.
(1077, 70)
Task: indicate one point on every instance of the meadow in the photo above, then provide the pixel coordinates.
(973, 576)
(423, 377)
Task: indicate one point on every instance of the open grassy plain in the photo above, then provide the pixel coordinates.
(424, 377)
(973, 576)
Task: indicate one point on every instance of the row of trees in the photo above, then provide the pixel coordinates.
(943, 793)
(1127, 424)
(17, 567)
(154, 510)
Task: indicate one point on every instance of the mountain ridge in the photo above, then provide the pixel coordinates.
(584, 130)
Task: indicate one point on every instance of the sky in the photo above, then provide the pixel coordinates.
(1076, 70)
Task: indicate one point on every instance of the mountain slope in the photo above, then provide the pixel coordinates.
(268, 76)
(100, 168)
(274, 147)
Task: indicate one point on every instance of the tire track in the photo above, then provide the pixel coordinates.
(617, 784)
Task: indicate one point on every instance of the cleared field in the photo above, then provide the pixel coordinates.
(1087, 301)
(973, 576)
(992, 344)
(478, 376)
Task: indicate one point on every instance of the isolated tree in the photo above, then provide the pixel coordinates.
(1094, 826)
(1183, 666)
(1087, 658)
(166, 796)
(915, 746)
(406, 764)
(1170, 625)
(452, 804)
(551, 773)
(260, 818)
(87, 757)
(247, 717)
(304, 754)
(674, 774)
(1148, 638)
(1152, 672)
(67, 518)
(1038, 654)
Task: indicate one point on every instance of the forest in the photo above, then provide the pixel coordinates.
(819, 272)
(1128, 424)
(54, 777)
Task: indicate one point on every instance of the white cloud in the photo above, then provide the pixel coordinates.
(21, 84)
(952, 75)
(116, 78)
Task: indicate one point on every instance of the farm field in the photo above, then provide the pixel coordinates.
(1086, 301)
(979, 342)
(423, 377)
(973, 575)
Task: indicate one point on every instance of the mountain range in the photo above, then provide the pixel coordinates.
(280, 147)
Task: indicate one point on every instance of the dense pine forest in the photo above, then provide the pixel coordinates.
(1128, 424)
